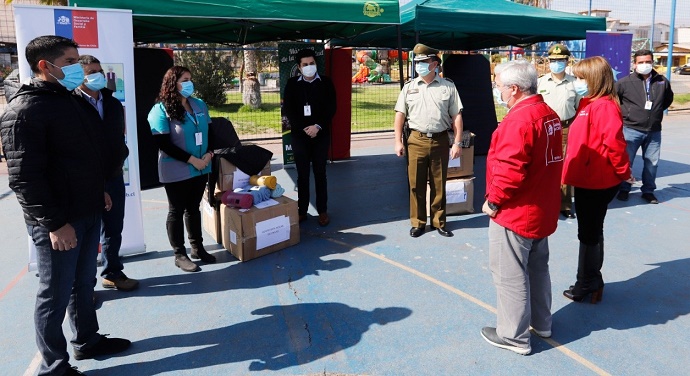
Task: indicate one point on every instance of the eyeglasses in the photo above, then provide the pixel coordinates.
(494, 85)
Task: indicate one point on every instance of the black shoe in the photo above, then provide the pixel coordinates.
(490, 336)
(71, 371)
(567, 214)
(201, 254)
(416, 232)
(106, 346)
(650, 198)
(183, 262)
(623, 195)
(443, 232)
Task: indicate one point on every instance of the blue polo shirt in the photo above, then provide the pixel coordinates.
(183, 135)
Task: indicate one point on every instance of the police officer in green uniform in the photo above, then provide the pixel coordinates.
(431, 106)
(559, 93)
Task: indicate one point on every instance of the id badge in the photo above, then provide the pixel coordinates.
(648, 105)
(307, 110)
(198, 138)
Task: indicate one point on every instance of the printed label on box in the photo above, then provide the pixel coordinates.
(233, 237)
(457, 162)
(267, 203)
(240, 179)
(207, 207)
(455, 192)
(272, 231)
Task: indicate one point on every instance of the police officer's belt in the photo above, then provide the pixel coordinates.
(431, 135)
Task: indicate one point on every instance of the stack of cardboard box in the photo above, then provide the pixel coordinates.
(266, 227)
(460, 182)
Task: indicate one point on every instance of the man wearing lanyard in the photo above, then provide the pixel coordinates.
(559, 93)
(310, 106)
(644, 96)
(112, 119)
(431, 105)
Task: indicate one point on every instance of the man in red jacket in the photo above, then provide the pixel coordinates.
(523, 175)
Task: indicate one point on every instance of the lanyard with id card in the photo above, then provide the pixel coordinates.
(307, 110)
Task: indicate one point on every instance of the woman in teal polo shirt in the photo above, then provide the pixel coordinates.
(179, 124)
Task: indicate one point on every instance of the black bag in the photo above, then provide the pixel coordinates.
(222, 134)
(251, 159)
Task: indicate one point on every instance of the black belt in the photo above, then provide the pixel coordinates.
(431, 135)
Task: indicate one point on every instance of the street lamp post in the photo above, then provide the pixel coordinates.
(651, 38)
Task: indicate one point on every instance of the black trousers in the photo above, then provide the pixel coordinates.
(314, 152)
(184, 198)
(591, 206)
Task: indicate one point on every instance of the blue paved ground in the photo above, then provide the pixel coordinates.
(361, 297)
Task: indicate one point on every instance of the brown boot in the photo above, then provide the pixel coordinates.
(201, 254)
(183, 262)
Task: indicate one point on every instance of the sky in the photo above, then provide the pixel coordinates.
(637, 12)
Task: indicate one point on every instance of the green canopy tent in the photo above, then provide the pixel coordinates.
(472, 25)
(242, 22)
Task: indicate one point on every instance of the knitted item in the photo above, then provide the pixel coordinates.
(266, 181)
(237, 199)
(259, 194)
(277, 192)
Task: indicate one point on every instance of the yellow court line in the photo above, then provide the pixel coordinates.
(569, 353)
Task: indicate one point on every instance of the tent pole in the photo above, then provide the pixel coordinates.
(400, 58)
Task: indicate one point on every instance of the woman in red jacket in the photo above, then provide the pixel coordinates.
(595, 164)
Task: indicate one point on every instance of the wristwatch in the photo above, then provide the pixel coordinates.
(492, 206)
(458, 143)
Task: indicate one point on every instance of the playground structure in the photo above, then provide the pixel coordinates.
(374, 65)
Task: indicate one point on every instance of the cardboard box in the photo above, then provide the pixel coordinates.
(463, 166)
(254, 232)
(231, 177)
(459, 196)
(210, 219)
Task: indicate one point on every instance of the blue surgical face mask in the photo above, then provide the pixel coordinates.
(581, 87)
(74, 75)
(422, 68)
(95, 81)
(187, 88)
(557, 66)
(498, 95)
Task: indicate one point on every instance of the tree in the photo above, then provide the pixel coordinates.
(251, 91)
(211, 71)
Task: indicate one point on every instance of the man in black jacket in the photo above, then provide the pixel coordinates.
(55, 168)
(310, 106)
(644, 96)
(110, 116)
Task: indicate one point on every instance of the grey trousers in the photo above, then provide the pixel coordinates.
(520, 270)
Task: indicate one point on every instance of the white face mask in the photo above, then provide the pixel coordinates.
(309, 71)
(643, 69)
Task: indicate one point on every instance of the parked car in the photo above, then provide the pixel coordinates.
(683, 69)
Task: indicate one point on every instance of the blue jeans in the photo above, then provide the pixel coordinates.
(651, 150)
(66, 281)
(111, 228)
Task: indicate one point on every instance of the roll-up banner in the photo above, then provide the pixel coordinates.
(107, 35)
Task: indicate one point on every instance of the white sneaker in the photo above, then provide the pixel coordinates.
(489, 335)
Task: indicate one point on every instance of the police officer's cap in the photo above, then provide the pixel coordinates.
(423, 52)
(559, 51)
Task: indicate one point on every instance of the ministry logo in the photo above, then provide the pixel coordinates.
(63, 20)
